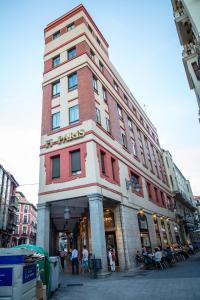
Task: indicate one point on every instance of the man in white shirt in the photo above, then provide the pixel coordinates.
(75, 262)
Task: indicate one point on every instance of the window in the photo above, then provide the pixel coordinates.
(74, 114)
(156, 194)
(98, 116)
(141, 120)
(71, 53)
(90, 28)
(70, 27)
(72, 81)
(101, 66)
(55, 121)
(130, 124)
(149, 190)
(17, 218)
(55, 161)
(98, 41)
(92, 55)
(125, 99)
(17, 230)
(95, 85)
(144, 231)
(25, 219)
(108, 125)
(25, 209)
(103, 167)
(56, 61)
(24, 230)
(56, 35)
(124, 140)
(75, 162)
(120, 112)
(196, 70)
(135, 182)
(116, 86)
(134, 146)
(113, 162)
(162, 198)
(104, 94)
(56, 88)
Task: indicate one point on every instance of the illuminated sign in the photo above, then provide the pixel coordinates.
(66, 138)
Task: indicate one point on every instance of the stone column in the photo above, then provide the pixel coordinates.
(43, 225)
(97, 229)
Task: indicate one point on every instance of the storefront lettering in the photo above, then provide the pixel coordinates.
(66, 138)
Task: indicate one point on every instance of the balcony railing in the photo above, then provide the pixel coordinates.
(182, 197)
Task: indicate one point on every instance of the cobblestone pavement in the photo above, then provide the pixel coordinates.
(179, 282)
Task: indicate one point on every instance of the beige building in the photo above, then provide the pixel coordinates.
(183, 198)
(187, 20)
(102, 178)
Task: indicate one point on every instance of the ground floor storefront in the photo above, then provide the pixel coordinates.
(101, 223)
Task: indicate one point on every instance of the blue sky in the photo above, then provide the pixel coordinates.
(145, 49)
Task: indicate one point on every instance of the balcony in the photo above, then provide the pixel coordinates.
(189, 51)
(182, 197)
(180, 15)
(13, 202)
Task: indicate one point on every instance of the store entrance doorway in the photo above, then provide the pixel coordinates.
(111, 243)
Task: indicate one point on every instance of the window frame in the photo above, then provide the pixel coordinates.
(124, 141)
(69, 27)
(95, 83)
(98, 116)
(73, 107)
(79, 170)
(68, 52)
(52, 120)
(56, 34)
(53, 61)
(55, 83)
(53, 171)
(70, 88)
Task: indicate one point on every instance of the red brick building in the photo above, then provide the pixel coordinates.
(26, 229)
(102, 177)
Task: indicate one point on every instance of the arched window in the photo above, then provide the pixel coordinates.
(144, 231)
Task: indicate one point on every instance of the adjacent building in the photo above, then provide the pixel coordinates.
(26, 229)
(8, 207)
(187, 20)
(103, 181)
(184, 201)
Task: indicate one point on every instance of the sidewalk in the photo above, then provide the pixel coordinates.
(179, 282)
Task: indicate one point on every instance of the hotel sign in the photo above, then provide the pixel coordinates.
(66, 138)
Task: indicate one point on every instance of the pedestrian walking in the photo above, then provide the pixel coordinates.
(75, 262)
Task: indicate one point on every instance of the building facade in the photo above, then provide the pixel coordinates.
(183, 198)
(197, 215)
(26, 229)
(187, 20)
(8, 207)
(102, 177)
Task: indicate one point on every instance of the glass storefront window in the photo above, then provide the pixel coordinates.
(158, 238)
(109, 222)
(165, 239)
(144, 231)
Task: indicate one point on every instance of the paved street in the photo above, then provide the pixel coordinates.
(179, 282)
